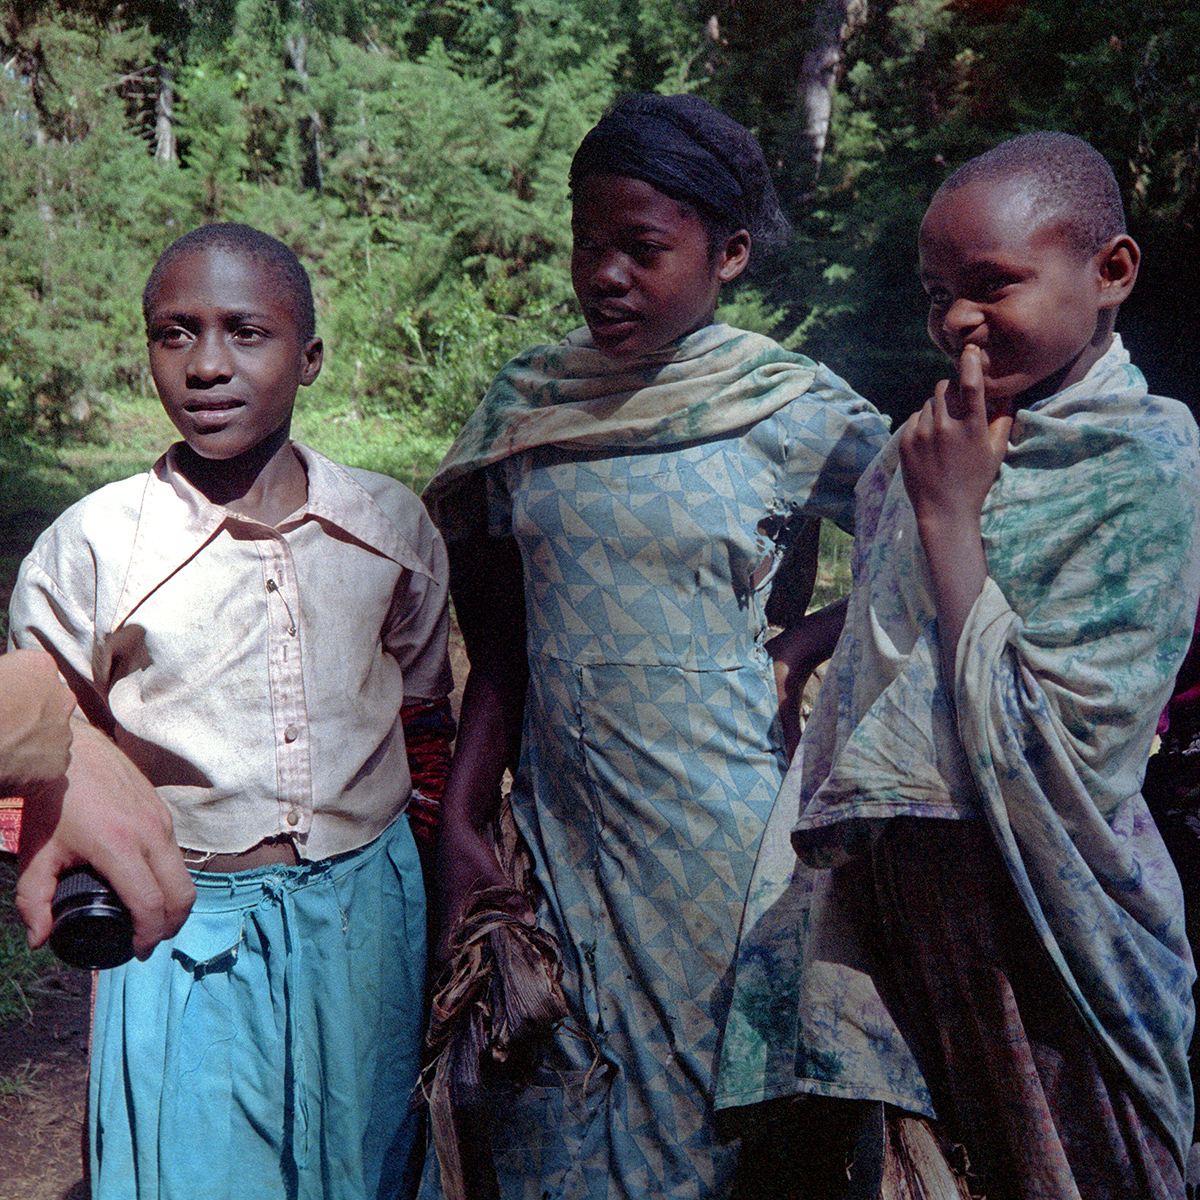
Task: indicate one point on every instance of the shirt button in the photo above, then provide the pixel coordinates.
(291, 733)
(293, 818)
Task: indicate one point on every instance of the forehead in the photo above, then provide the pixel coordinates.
(223, 279)
(981, 214)
(992, 218)
(612, 200)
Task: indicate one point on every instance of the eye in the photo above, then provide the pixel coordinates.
(991, 286)
(938, 297)
(169, 336)
(248, 335)
(646, 254)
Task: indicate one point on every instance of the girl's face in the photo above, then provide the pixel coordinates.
(641, 265)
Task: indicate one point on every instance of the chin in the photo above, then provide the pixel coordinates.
(214, 450)
(618, 349)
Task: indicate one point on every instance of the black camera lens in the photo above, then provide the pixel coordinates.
(92, 928)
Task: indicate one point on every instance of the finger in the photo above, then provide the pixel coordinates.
(139, 890)
(35, 892)
(176, 885)
(914, 439)
(945, 394)
(947, 401)
(999, 431)
(969, 400)
(919, 425)
(153, 882)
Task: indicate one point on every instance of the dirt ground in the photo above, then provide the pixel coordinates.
(44, 1058)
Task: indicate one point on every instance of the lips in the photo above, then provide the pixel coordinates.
(611, 325)
(211, 414)
(606, 315)
(212, 404)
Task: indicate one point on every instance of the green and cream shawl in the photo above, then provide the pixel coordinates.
(709, 383)
(1067, 658)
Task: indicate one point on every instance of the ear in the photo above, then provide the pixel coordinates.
(734, 256)
(1117, 268)
(313, 355)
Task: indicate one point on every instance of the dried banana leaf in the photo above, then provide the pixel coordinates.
(502, 997)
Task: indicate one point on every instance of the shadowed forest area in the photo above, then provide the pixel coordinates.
(415, 155)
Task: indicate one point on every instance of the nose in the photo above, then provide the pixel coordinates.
(961, 317)
(209, 359)
(610, 275)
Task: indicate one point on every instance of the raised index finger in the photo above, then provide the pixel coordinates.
(970, 402)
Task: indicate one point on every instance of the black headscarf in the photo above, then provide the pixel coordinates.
(688, 150)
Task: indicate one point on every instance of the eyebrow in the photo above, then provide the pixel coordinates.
(181, 316)
(641, 227)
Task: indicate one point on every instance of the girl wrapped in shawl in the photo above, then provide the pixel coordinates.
(993, 932)
(616, 511)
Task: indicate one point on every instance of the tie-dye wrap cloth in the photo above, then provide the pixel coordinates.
(1066, 660)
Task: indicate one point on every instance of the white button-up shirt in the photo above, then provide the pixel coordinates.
(254, 673)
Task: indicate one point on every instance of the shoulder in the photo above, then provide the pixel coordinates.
(85, 553)
(379, 509)
(394, 497)
(1153, 434)
(1169, 426)
(338, 483)
(829, 416)
(100, 525)
(400, 504)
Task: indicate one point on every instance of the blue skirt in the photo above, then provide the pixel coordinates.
(272, 1048)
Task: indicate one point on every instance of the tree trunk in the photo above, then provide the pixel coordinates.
(833, 22)
(164, 117)
(297, 51)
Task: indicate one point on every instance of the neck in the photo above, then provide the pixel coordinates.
(265, 484)
(1068, 375)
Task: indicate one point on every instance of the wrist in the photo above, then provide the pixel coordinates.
(939, 519)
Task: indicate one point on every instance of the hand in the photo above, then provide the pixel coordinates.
(466, 865)
(797, 652)
(951, 451)
(35, 728)
(106, 813)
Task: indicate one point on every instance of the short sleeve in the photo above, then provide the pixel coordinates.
(417, 629)
(53, 607)
(822, 442)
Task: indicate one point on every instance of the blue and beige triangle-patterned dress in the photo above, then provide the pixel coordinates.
(651, 754)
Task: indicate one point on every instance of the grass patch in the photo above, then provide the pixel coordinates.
(20, 967)
(833, 565)
(20, 1082)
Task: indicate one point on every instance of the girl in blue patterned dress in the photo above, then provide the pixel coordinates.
(616, 512)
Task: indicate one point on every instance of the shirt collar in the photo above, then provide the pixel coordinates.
(176, 521)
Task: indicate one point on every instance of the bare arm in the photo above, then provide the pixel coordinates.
(950, 454)
(489, 598)
(35, 722)
(797, 652)
(103, 812)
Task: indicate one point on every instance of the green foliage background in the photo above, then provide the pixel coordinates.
(415, 155)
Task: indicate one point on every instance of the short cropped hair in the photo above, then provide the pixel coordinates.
(1069, 177)
(695, 154)
(251, 243)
